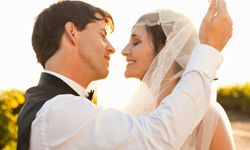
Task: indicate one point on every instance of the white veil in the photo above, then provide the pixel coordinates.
(180, 41)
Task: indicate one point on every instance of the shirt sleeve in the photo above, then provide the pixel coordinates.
(88, 127)
(183, 109)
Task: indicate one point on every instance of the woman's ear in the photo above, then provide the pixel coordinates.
(71, 32)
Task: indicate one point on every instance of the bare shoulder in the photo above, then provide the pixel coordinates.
(219, 111)
(223, 137)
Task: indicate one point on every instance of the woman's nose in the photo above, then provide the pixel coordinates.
(126, 50)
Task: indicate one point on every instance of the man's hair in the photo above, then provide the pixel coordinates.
(49, 25)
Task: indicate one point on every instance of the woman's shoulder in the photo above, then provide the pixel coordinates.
(215, 109)
(216, 114)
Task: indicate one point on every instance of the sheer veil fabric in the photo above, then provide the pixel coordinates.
(180, 41)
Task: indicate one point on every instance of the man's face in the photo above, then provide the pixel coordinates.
(95, 49)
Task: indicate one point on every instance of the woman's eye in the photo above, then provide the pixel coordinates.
(135, 43)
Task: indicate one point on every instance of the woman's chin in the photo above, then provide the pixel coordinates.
(128, 75)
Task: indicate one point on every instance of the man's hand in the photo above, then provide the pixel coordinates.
(216, 27)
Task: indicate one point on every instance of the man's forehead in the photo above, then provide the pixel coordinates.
(97, 24)
(98, 15)
(101, 20)
(101, 23)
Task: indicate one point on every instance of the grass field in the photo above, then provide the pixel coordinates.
(241, 129)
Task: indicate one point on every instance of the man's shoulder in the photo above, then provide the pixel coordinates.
(61, 116)
(68, 103)
(68, 107)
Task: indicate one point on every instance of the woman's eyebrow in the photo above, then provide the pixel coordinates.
(135, 35)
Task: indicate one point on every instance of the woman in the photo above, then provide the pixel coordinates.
(157, 54)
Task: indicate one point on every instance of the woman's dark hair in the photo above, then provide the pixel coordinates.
(49, 25)
(158, 37)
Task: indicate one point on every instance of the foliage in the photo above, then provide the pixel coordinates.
(236, 97)
(94, 100)
(10, 104)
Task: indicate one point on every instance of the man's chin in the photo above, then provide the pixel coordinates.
(104, 74)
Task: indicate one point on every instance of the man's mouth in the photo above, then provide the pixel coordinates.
(107, 58)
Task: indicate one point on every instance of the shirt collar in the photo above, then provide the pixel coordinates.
(75, 86)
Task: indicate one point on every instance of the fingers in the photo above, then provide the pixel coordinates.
(211, 10)
(222, 8)
(223, 13)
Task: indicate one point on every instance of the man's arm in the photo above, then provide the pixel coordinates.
(165, 128)
(183, 109)
(171, 123)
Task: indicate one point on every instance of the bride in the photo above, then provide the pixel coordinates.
(157, 54)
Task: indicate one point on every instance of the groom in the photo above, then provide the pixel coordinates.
(69, 39)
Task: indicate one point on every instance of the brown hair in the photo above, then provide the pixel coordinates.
(49, 25)
(158, 37)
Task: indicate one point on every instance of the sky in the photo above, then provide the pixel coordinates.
(19, 68)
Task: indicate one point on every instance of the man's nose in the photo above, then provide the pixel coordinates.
(110, 48)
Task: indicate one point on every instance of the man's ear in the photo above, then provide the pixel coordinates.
(71, 32)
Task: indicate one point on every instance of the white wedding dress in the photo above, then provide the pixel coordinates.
(202, 135)
(181, 39)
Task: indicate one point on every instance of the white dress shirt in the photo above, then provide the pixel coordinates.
(69, 122)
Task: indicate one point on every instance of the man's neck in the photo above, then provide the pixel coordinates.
(74, 85)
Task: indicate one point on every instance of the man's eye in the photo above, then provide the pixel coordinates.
(103, 36)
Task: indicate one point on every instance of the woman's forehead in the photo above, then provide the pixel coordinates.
(139, 31)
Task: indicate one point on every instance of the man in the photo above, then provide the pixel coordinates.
(69, 39)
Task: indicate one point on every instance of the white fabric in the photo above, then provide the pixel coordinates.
(75, 86)
(198, 140)
(72, 122)
(180, 41)
(181, 38)
(202, 135)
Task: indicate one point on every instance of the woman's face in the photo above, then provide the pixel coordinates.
(139, 53)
